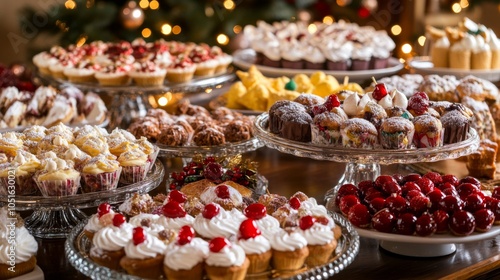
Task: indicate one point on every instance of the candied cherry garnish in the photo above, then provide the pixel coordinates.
(412, 177)
(451, 203)
(138, 235)
(173, 209)
(466, 189)
(359, 216)
(484, 219)
(306, 222)
(409, 186)
(347, 202)
(425, 184)
(344, 190)
(496, 192)
(213, 171)
(186, 234)
(295, 203)
(474, 202)
(376, 204)
(419, 103)
(419, 204)
(396, 203)
(381, 180)
(449, 178)
(248, 229)
(332, 101)
(222, 191)
(425, 225)
(178, 196)
(380, 91)
(103, 209)
(405, 224)
(434, 177)
(462, 223)
(441, 218)
(383, 221)
(217, 244)
(255, 211)
(211, 210)
(118, 220)
(471, 180)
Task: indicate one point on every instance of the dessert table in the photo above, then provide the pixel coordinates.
(288, 174)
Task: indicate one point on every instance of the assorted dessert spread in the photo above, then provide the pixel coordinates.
(145, 64)
(60, 160)
(338, 46)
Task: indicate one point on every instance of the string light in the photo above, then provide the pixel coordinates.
(162, 101)
(229, 4)
(343, 3)
(464, 4)
(166, 29)
(208, 90)
(146, 32)
(406, 48)
(456, 8)
(209, 11)
(237, 29)
(328, 20)
(154, 5)
(176, 29)
(222, 39)
(81, 40)
(312, 28)
(70, 4)
(144, 4)
(396, 29)
(421, 40)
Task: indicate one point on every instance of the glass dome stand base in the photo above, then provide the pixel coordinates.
(52, 223)
(417, 249)
(353, 174)
(125, 108)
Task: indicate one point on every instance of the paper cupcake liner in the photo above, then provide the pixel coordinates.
(155, 80)
(325, 137)
(396, 140)
(152, 158)
(59, 187)
(428, 139)
(134, 174)
(101, 182)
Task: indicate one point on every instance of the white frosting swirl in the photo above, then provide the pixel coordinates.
(176, 223)
(186, 256)
(268, 225)
(25, 247)
(318, 234)
(222, 224)
(112, 238)
(442, 42)
(150, 248)
(287, 242)
(94, 223)
(209, 195)
(362, 52)
(256, 245)
(494, 42)
(154, 226)
(467, 43)
(230, 255)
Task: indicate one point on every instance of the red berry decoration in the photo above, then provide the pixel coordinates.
(441, 218)
(344, 190)
(484, 220)
(332, 101)
(359, 216)
(379, 92)
(178, 196)
(103, 209)
(412, 177)
(496, 192)
(211, 210)
(396, 204)
(118, 220)
(425, 184)
(452, 179)
(186, 234)
(249, 229)
(474, 202)
(173, 210)
(306, 222)
(255, 211)
(222, 191)
(435, 197)
(319, 109)
(466, 189)
(295, 203)
(425, 225)
(409, 186)
(217, 244)
(451, 204)
(419, 204)
(462, 223)
(434, 177)
(384, 179)
(371, 194)
(405, 224)
(471, 180)
(376, 204)
(383, 221)
(347, 202)
(411, 194)
(391, 188)
(363, 186)
(138, 235)
(213, 171)
(418, 103)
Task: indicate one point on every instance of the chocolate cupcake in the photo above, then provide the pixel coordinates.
(236, 131)
(456, 127)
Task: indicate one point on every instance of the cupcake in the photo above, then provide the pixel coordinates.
(174, 216)
(396, 133)
(325, 129)
(103, 218)
(100, 174)
(144, 255)
(320, 240)
(147, 74)
(149, 149)
(428, 132)
(337, 54)
(358, 133)
(10, 143)
(292, 55)
(134, 164)
(460, 52)
(181, 70)
(266, 223)
(23, 167)
(439, 48)
(226, 260)
(223, 59)
(360, 57)
(272, 56)
(495, 50)
(455, 126)
(214, 221)
(108, 243)
(82, 72)
(481, 55)
(150, 223)
(113, 75)
(203, 60)
(185, 258)
(57, 178)
(79, 157)
(289, 250)
(382, 45)
(257, 248)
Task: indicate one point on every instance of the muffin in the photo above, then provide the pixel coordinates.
(325, 129)
(174, 216)
(209, 137)
(428, 132)
(257, 248)
(23, 167)
(289, 250)
(203, 60)
(181, 70)
(57, 178)
(358, 133)
(396, 133)
(174, 135)
(10, 143)
(134, 164)
(320, 240)
(185, 258)
(147, 74)
(226, 260)
(100, 174)
(455, 126)
(144, 255)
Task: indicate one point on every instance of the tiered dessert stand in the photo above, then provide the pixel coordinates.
(363, 164)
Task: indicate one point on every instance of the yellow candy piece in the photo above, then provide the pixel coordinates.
(280, 95)
(256, 98)
(318, 77)
(352, 87)
(331, 79)
(234, 94)
(302, 79)
(324, 89)
(279, 83)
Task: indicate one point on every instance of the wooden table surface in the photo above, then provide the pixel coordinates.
(286, 175)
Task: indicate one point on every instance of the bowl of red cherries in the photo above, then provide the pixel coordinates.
(416, 209)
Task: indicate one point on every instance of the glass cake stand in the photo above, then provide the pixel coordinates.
(55, 217)
(132, 101)
(226, 149)
(362, 164)
(77, 247)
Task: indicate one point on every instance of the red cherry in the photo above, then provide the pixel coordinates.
(359, 216)
(451, 191)
(452, 179)
(409, 186)
(411, 194)
(451, 203)
(466, 189)
(376, 204)
(405, 224)
(178, 196)
(396, 203)
(419, 204)
(474, 202)
(379, 91)
(383, 221)
(484, 219)
(412, 177)
(118, 220)
(462, 223)
(322, 220)
(371, 194)
(295, 203)
(494, 206)
(391, 188)
(496, 192)
(222, 191)
(217, 244)
(471, 180)
(421, 95)
(434, 177)
(332, 101)
(381, 180)
(208, 160)
(344, 190)
(425, 225)
(211, 210)
(435, 197)
(213, 171)
(425, 184)
(364, 186)
(441, 218)
(186, 234)
(398, 178)
(255, 211)
(173, 210)
(306, 222)
(347, 202)
(138, 235)
(103, 209)
(319, 109)
(418, 103)
(249, 229)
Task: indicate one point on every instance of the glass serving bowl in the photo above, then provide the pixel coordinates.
(55, 217)
(77, 247)
(362, 164)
